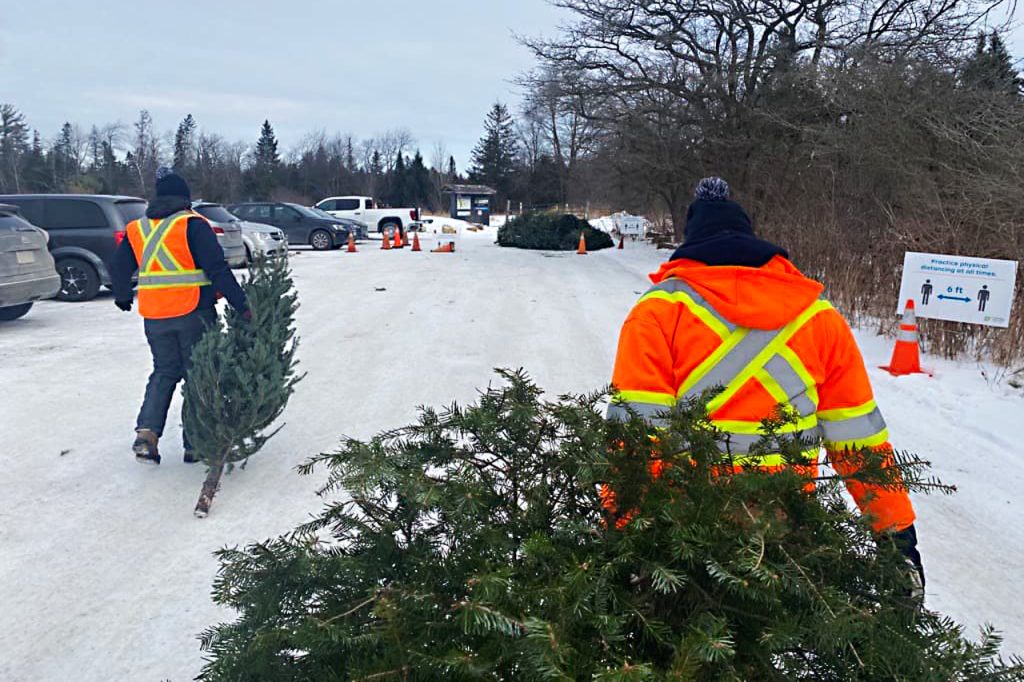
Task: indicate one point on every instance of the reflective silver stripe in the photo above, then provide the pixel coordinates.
(619, 411)
(734, 362)
(165, 261)
(155, 238)
(790, 382)
(672, 286)
(642, 409)
(905, 335)
(857, 428)
(743, 443)
(173, 280)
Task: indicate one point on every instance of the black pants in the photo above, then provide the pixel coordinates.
(170, 342)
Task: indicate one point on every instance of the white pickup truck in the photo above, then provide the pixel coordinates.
(364, 209)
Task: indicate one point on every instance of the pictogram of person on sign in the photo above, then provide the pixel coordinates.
(983, 297)
(926, 291)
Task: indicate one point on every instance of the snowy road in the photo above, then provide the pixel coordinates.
(105, 574)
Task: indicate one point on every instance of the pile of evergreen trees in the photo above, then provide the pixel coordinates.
(473, 545)
(551, 232)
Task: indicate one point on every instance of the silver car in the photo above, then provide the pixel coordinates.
(262, 240)
(228, 229)
(27, 272)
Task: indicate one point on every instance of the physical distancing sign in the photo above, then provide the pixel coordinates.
(958, 288)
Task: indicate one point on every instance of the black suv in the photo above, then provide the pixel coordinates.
(84, 231)
(301, 225)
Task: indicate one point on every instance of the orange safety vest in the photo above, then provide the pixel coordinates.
(767, 338)
(169, 280)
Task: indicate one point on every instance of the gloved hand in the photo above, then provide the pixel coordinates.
(124, 305)
(906, 542)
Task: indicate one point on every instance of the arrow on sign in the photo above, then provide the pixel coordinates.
(943, 297)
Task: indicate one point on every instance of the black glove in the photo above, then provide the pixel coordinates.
(906, 542)
(124, 305)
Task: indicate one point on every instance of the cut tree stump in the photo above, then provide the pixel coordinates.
(210, 486)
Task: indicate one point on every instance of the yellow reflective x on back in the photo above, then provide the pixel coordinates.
(762, 353)
(154, 251)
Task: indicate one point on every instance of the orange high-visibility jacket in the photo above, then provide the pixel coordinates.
(766, 336)
(169, 280)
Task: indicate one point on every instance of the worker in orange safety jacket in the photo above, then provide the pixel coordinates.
(729, 310)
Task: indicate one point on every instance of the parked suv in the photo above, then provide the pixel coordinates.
(84, 230)
(300, 224)
(27, 273)
(228, 229)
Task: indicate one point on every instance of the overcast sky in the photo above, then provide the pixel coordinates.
(359, 67)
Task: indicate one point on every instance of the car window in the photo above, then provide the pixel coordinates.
(30, 209)
(369, 203)
(73, 214)
(256, 211)
(307, 212)
(131, 210)
(348, 204)
(216, 213)
(328, 205)
(282, 212)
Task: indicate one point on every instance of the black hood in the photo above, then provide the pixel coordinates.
(163, 206)
(729, 247)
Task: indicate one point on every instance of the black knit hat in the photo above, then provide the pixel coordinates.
(170, 184)
(712, 211)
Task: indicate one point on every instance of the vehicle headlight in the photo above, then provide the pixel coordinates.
(338, 226)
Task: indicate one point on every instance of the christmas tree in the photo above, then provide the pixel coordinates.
(242, 376)
(474, 545)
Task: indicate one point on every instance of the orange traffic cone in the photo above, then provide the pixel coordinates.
(622, 241)
(416, 241)
(351, 243)
(386, 244)
(448, 247)
(398, 239)
(906, 356)
(582, 250)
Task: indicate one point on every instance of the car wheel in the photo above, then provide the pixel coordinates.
(13, 312)
(391, 227)
(321, 240)
(79, 280)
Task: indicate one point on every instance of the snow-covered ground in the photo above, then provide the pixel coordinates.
(105, 574)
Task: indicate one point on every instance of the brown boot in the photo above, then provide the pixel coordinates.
(145, 447)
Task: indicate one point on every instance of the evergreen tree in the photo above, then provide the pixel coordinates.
(991, 67)
(397, 183)
(242, 376)
(35, 172)
(474, 545)
(453, 173)
(13, 146)
(418, 186)
(494, 156)
(62, 162)
(266, 164)
(184, 144)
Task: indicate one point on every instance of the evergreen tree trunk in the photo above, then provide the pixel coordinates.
(210, 486)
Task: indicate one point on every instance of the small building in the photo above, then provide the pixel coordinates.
(471, 203)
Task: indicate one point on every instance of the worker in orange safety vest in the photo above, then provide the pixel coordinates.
(181, 269)
(729, 310)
